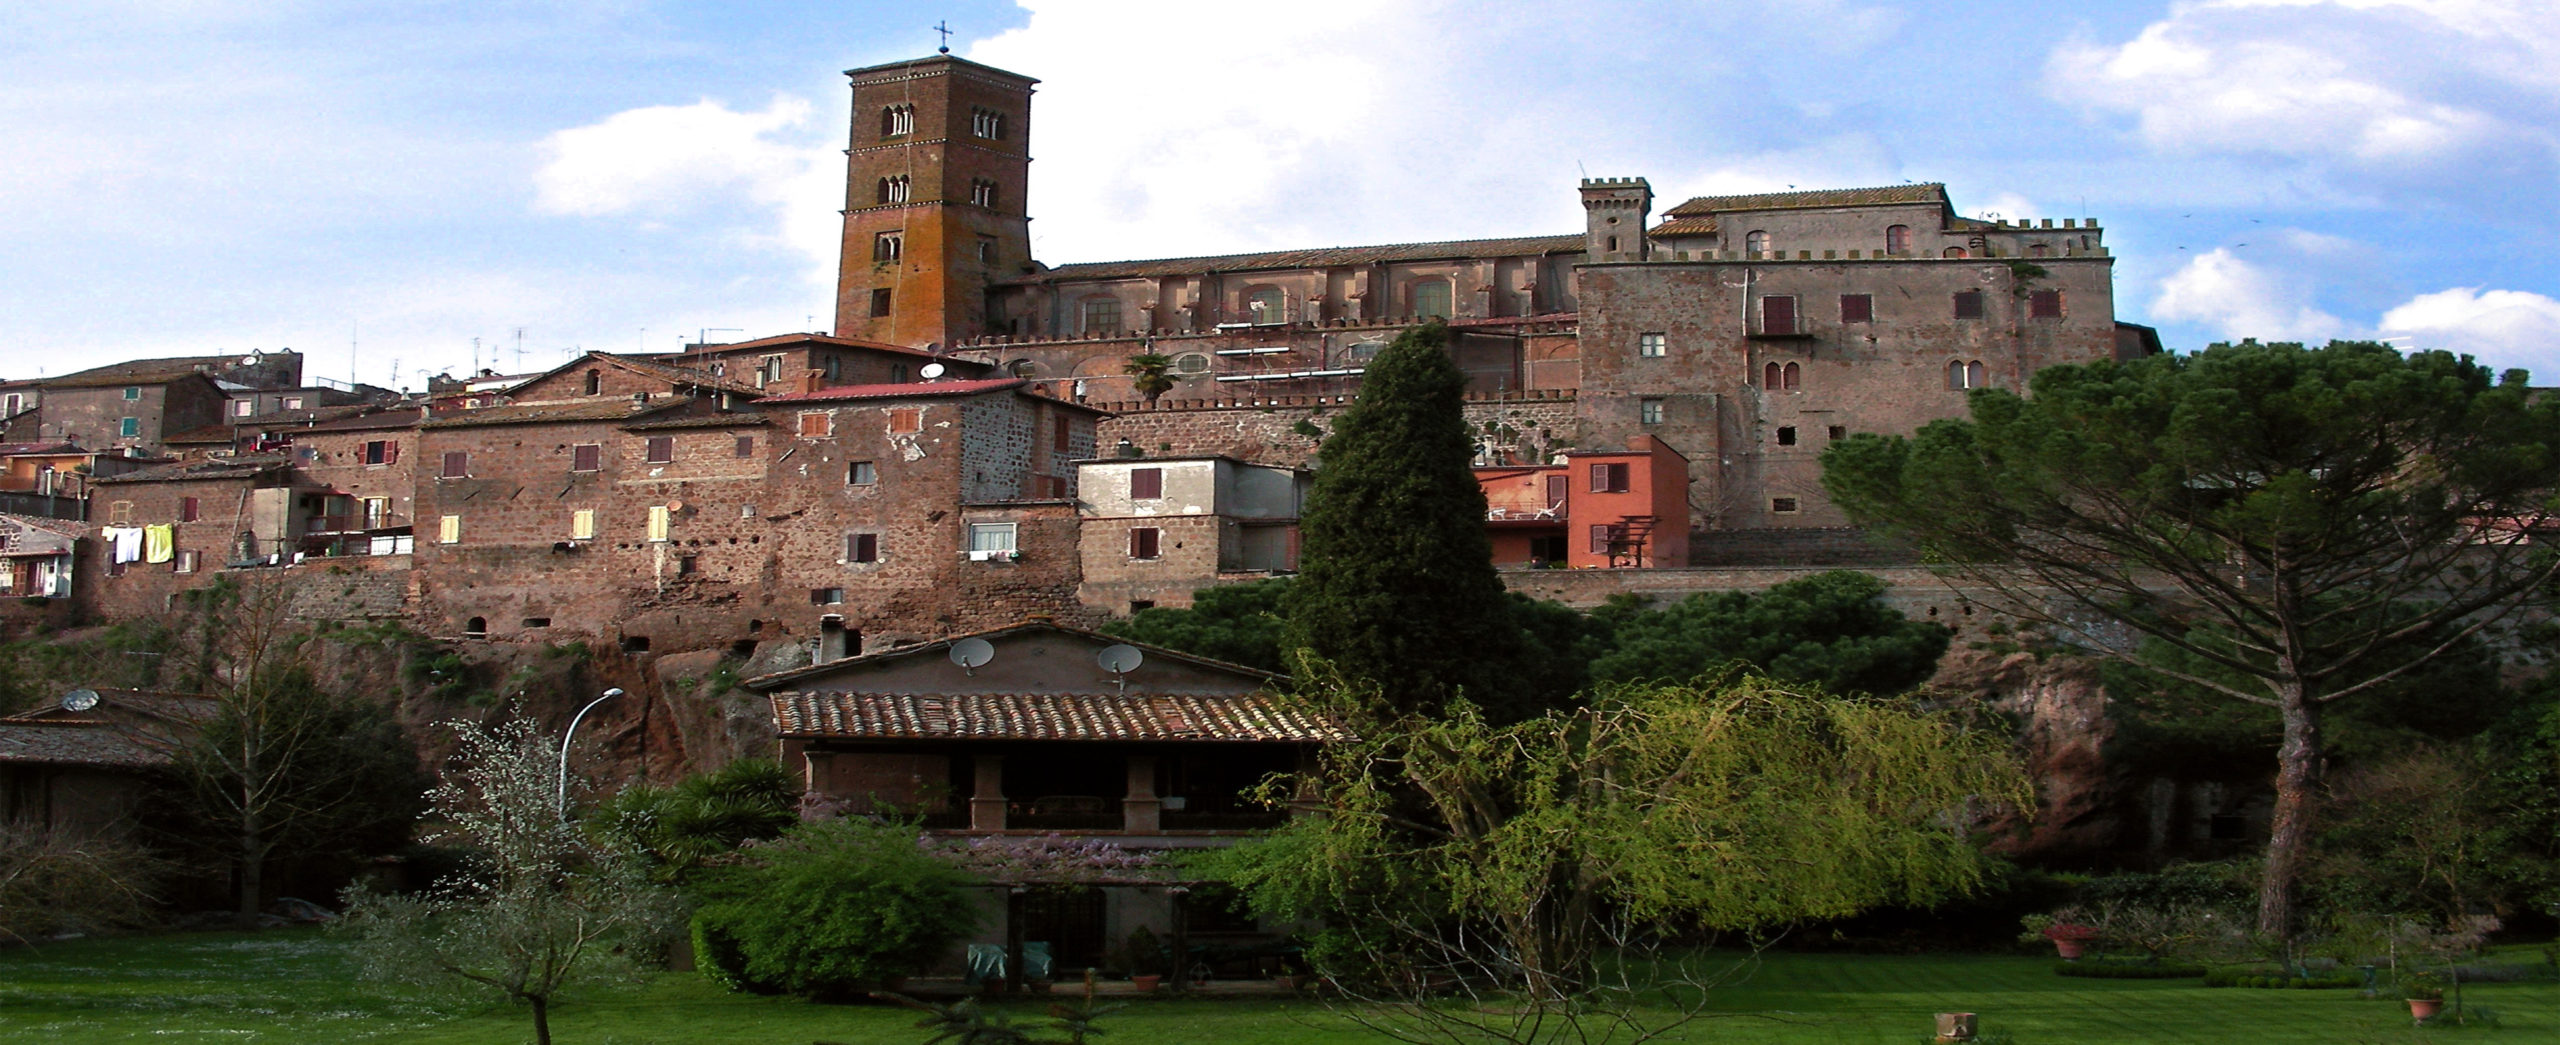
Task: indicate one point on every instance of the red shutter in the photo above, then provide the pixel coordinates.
(2045, 304)
(1600, 539)
(1558, 488)
(1599, 478)
(187, 508)
(457, 464)
(1778, 314)
(1143, 542)
(746, 446)
(662, 449)
(391, 451)
(1857, 308)
(1146, 483)
(586, 457)
(1969, 304)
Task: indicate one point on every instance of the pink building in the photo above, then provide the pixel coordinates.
(1598, 509)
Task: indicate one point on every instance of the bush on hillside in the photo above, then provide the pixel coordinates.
(829, 911)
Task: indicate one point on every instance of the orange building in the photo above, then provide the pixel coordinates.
(1598, 509)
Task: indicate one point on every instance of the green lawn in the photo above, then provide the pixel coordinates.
(291, 986)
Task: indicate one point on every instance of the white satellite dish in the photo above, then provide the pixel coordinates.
(1120, 658)
(971, 654)
(80, 700)
(932, 371)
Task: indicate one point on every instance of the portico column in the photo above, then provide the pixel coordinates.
(1141, 813)
(986, 802)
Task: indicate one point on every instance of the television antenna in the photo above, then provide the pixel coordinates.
(972, 654)
(81, 699)
(1120, 659)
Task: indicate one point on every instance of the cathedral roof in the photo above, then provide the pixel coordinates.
(1318, 257)
(1923, 192)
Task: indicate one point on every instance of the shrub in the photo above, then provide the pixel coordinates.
(677, 828)
(56, 881)
(2264, 980)
(831, 910)
(2110, 970)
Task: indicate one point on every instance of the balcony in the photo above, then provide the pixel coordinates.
(354, 523)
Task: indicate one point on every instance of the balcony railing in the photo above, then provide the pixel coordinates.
(353, 523)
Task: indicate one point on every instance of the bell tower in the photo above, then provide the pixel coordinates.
(937, 169)
(1614, 213)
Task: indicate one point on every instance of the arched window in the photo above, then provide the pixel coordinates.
(898, 373)
(887, 246)
(1756, 244)
(1791, 376)
(595, 381)
(1897, 239)
(1967, 374)
(1266, 305)
(896, 120)
(1952, 252)
(893, 189)
(476, 628)
(1022, 368)
(1773, 377)
(1431, 299)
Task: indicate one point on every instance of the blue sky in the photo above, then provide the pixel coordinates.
(200, 176)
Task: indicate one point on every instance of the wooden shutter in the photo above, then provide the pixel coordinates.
(1146, 484)
(2044, 304)
(586, 457)
(1969, 304)
(187, 509)
(1857, 308)
(457, 464)
(1777, 314)
(662, 449)
(1143, 542)
(746, 446)
(1558, 488)
(582, 524)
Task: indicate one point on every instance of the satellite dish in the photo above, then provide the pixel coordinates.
(80, 700)
(1120, 658)
(248, 360)
(933, 370)
(971, 654)
(675, 507)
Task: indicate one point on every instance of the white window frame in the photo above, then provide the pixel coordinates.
(993, 537)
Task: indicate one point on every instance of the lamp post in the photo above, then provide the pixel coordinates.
(562, 804)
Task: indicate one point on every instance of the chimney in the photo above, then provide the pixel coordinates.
(813, 381)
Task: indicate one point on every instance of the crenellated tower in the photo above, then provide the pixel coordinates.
(1614, 214)
(937, 171)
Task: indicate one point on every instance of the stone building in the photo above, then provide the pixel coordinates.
(1154, 530)
(1591, 509)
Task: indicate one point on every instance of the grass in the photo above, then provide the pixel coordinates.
(292, 986)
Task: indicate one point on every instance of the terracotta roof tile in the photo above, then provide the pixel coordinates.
(78, 743)
(1699, 225)
(919, 388)
(717, 351)
(1049, 716)
(55, 447)
(705, 421)
(1929, 192)
(217, 468)
(604, 409)
(1319, 257)
(140, 371)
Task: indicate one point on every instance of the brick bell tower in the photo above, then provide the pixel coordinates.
(934, 209)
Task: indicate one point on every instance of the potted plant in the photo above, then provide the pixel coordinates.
(2425, 993)
(2069, 936)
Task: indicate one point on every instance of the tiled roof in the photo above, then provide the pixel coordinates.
(1319, 257)
(1516, 321)
(1693, 226)
(609, 408)
(787, 340)
(704, 421)
(684, 375)
(126, 704)
(140, 371)
(1927, 192)
(60, 527)
(897, 391)
(206, 434)
(775, 680)
(77, 743)
(394, 417)
(1049, 716)
(218, 468)
(55, 447)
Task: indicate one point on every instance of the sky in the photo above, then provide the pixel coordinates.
(399, 187)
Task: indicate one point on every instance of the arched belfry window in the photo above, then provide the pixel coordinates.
(1952, 252)
(893, 189)
(896, 120)
(1789, 377)
(1772, 377)
(1967, 374)
(1757, 243)
(1897, 239)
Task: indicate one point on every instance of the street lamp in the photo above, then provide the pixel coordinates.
(563, 802)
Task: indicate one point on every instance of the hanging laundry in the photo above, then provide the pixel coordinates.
(159, 542)
(125, 543)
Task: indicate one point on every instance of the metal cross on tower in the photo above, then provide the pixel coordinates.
(944, 27)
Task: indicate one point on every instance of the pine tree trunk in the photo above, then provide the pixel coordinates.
(2297, 784)
(253, 866)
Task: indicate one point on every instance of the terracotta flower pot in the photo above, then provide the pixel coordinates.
(2421, 1009)
(1147, 981)
(2071, 950)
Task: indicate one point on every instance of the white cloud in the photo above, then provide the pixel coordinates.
(664, 161)
(2504, 328)
(2404, 92)
(2235, 298)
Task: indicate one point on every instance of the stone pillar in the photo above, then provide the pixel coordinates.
(1141, 812)
(986, 804)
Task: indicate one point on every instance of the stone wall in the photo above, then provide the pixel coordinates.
(1523, 428)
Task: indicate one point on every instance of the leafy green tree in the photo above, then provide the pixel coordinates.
(1236, 623)
(1831, 630)
(703, 816)
(1396, 579)
(2313, 522)
(1151, 373)
(1529, 849)
(544, 910)
(830, 910)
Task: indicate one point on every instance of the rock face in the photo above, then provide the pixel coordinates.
(2061, 713)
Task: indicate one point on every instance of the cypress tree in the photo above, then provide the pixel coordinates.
(1397, 583)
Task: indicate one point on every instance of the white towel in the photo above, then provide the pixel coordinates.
(127, 541)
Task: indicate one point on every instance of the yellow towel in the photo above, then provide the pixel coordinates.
(159, 543)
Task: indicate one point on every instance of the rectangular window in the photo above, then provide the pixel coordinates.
(659, 517)
(186, 562)
(661, 449)
(1061, 434)
(15, 403)
(1786, 435)
(826, 596)
(244, 407)
(381, 451)
(132, 395)
(1146, 484)
(879, 302)
(449, 530)
(1144, 542)
(586, 457)
(817, 424)
(582, 524)
(457, 464)
(991, 537)
(293, 402)
(1558, 488)
(130, 427)
(862, 547)
(1651, 346)
(1649, 411)
(1778, 314)
(1783, 505)
(1969, 304)
(746, 446)
(1857, 308)
(1101, 316)
(861, 473)
(188, 507)
(686, 565)
(1599, 538)
(377, 512)
(2044, 304)
(1838, 432)
(906, 420)
(120, 513)
(1608, 478)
